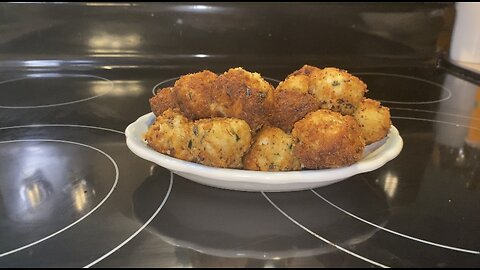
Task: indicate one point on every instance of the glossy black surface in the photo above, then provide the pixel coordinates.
(184, 34)
(72, 194)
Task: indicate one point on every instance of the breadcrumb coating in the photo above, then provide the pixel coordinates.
(221, 142)
(271, 150)
(374, 120)
(171, 134)
(327, 139)
(250, 96)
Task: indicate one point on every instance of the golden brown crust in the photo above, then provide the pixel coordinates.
(271, 150)
(327, 139)
(163, 100)
(289, 107)
(311, 88)
(171, 134)
(194, 94)
(221, 142)
(249, 94)
(374, 119)
(337, 90)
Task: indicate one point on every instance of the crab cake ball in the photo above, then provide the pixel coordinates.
(163, 100)
(250, 96)
(272, 150)
(337, 90)
(221, 142)
(374, 119)
(194, 94)
(327, 139)
(292, 102)
(171, 134)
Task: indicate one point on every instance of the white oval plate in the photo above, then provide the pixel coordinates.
(374, 156)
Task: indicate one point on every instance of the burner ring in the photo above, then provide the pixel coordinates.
(154, 89)
(36, 76)
(64, 125)
(445, 98)
(437, 121)
(84, 216)
(137, 231)
(383, 228)
(345, 250)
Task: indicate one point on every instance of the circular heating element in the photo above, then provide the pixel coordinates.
(403, 89)
(49, 90)
(47, 186)
(59, 194)
(194, 216)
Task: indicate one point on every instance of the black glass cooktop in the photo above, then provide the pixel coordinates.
(73, 195)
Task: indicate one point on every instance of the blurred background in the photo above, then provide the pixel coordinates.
(79, 35)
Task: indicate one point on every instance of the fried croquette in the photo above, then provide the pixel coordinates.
(250, 96)
(327, 139)
(171, 134)
(194, 94)
(221, 142)
(337, 90)
(271, 150)
(374, 120)
(292, 102)
(163, 100)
